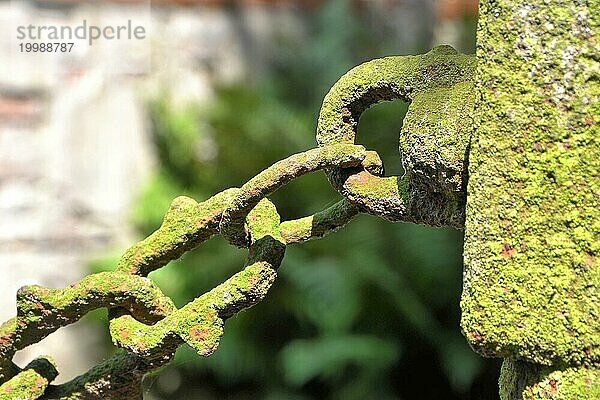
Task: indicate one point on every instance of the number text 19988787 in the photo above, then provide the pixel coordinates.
(46, 47)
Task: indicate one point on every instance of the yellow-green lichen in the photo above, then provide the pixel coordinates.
(521, 380)
(385, 79)
(118, 377)
(31, 383)
(186, 225)
(200, 322)
(532, 234)
(41, 311)
(232, 225)
(434, 139)
(319, 224)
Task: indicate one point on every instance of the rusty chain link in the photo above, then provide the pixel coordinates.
(145, 322)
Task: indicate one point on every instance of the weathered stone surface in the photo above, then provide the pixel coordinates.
(521, 380)
(532, 221)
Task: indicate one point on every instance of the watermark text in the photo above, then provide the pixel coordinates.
(84, 31)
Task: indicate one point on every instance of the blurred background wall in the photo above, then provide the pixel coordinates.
(90, 157)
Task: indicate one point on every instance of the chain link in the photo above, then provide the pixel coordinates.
(145, 322)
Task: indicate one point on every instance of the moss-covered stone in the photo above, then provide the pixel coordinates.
(532, 240)
(521, 380)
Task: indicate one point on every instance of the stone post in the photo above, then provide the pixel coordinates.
(531, 284)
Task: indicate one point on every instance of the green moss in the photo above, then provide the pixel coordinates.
(200, 322)
(232, 225)
(532, 233)
(41, 311)
(118, 377)
(28, 385)
(319, 224)
(385, 79)
(297, 230)
(520, 380)
(372, 187)
(434, 138)
(31, 383)
(185, 226)
(373, 163)
(264, 221)
(280, 173)
(106, 289)
(8, 336)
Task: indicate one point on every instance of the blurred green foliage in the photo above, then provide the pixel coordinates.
(370, 312)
